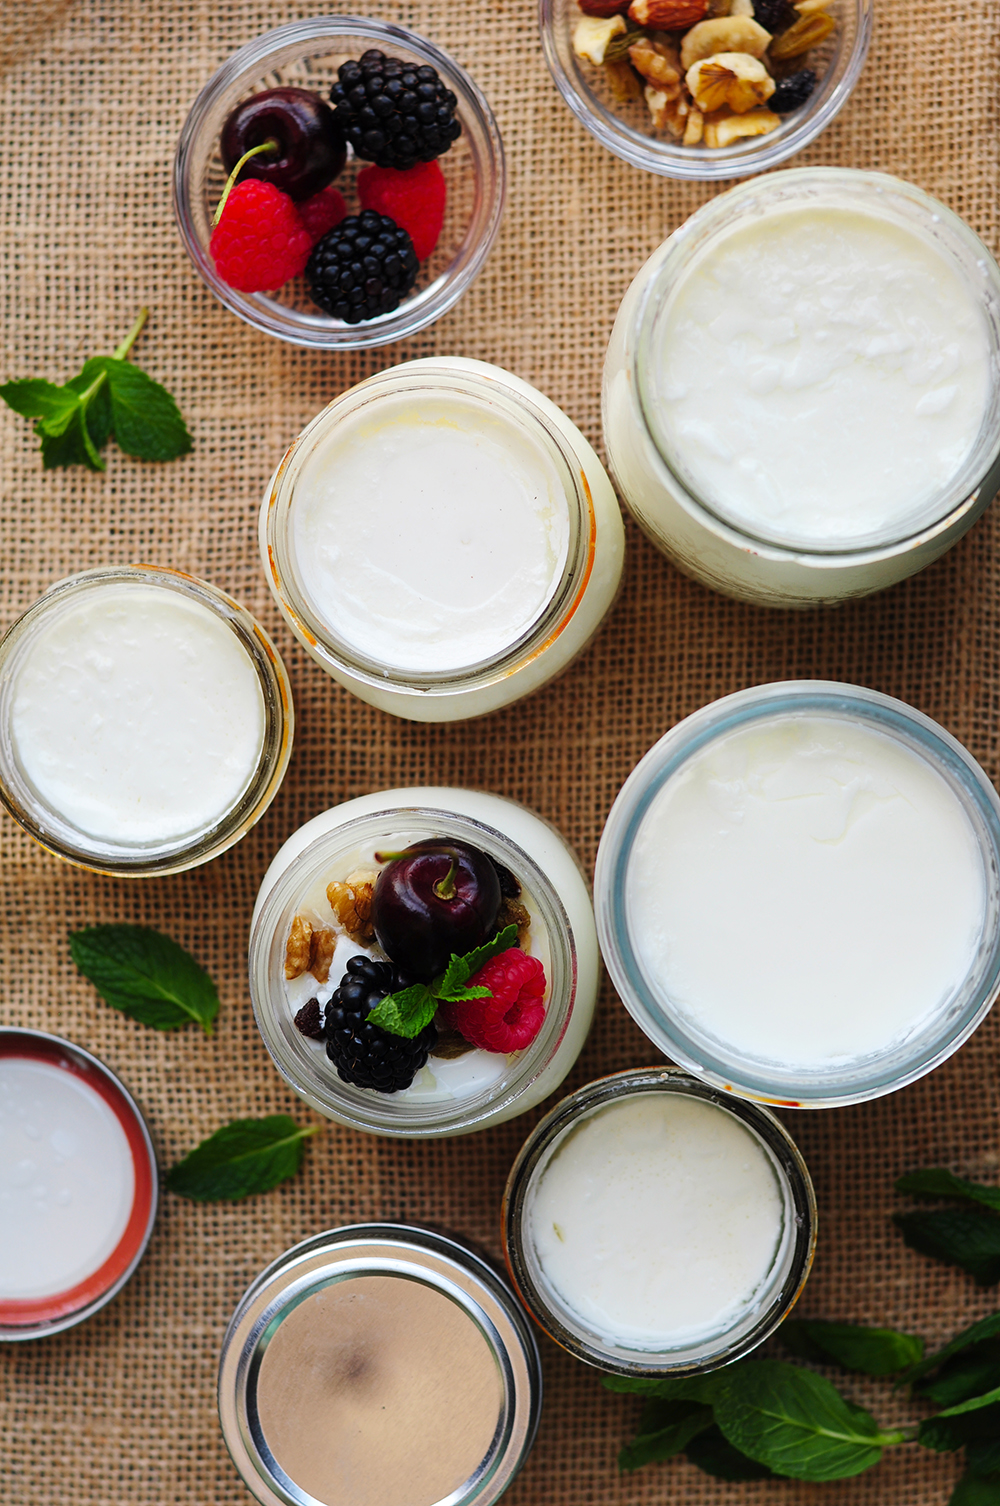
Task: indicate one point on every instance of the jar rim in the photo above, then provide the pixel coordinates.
(296, 1059)
(880, 196)
(724, 1066)
(122, 860)
(489, 388)
(792, 1261)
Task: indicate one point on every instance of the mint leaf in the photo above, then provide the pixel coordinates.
(970, 1373)
(873, 1351)
(34, 398)
(460, 995)
(97, 408)
(700, 1388)
(74, 447)
(405, 1013)
(936, 1182)
(796, 1423)
(974, 1404)
(966, 1237)
(146, 975)
(974, 1491)
(460, 969)
(666, 1428)
(146, 420)
(712, 1452)
(949, 1431)
(982, 1456)
(242, 1158)
(976, 1333)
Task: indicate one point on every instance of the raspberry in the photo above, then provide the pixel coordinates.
(512, 1016)
(320, 213)
(415, 199)
(260, 241)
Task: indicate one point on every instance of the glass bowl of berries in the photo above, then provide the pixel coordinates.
(339, 183)
(705, 89)
(424, 962)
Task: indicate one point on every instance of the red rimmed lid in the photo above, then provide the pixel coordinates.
(28, 1317)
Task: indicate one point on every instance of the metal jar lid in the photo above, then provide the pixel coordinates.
(292, 1388)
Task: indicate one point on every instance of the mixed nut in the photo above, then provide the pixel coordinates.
(710, 71)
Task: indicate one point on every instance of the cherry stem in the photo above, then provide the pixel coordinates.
(445, 888)
(270, 145)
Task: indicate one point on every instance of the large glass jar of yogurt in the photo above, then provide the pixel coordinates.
(798, 894)
(442, 539)
(145, 720)
(309, 925)
(801, 396)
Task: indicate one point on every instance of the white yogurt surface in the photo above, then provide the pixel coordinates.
(821, 376)
(429, 531)
(137, 716)
(806, 890)
(67, 1182)
(658, 1221)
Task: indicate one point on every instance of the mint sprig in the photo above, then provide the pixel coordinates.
(240, 1159)
(146, 975)
(411, 1010)
(108, 396)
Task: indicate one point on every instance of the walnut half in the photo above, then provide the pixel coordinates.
(351, 902)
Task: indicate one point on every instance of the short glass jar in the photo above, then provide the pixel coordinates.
(798, 894)
(794, 1235)
(306, 55)
(921, 244)
(356, 1322)
(109, 680)
(553, 890)
(626, 129)
(525, 640)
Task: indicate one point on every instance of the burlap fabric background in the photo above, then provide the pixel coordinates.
(122, 1409)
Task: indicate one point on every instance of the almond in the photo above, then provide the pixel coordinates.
(667, 15)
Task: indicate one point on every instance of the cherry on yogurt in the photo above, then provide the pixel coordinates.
(434, 899)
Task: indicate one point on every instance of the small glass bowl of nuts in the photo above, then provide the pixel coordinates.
(705, 89)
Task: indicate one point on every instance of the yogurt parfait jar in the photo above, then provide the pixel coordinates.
(801, 395)
(145, 720)
(798, 894)
(656, 1226)
(312, 928)
(442, 539)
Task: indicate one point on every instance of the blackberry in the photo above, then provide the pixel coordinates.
(365, 1054)
(792, 91)
(362, 267)
(774, 15)
(393, 113)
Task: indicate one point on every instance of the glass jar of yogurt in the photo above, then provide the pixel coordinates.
(442, 539)
(656, 1226)
(462, 1090)
(801, 395)
(798, 894)
(145, 720)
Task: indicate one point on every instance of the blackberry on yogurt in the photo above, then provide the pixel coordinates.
(363, 1053)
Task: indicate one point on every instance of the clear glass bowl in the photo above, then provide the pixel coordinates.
(827, 1082)
(307, 54)
(626, 130)
(772, 1303)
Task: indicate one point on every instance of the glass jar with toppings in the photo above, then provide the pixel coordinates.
(801, 394)
(442, 539)
(360, 913)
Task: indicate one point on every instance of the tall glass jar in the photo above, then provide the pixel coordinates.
(555, 894)
(651, 451)
(369, 645)
(798, 894)
(145, 720)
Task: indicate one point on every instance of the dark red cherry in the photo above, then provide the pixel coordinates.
(311, 150)
(434, 899)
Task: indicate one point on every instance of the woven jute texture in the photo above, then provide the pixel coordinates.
(121, 1410)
